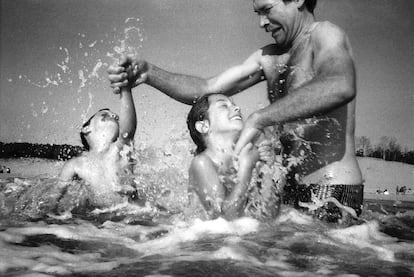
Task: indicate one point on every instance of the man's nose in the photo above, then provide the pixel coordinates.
(263, 21)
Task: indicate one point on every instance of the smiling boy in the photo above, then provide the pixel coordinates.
(219, 183)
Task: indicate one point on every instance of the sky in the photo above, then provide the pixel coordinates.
(54, 55)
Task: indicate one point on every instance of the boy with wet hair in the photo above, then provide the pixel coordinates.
(219, 183)
(106, 166)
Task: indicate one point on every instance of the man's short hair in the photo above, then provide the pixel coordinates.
(310, 4)
(83, 135)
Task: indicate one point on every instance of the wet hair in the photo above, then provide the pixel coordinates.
(83, 135)
(198, 112)
(310, 4)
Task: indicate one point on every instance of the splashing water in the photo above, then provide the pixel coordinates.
(84, 67)
(157, 239)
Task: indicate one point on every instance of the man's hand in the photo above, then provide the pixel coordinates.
(129, 72)
(250, 133)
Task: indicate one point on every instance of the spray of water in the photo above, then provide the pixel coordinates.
(82, 69)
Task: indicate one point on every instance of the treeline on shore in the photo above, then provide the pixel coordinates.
(34, 150)
(387, 149)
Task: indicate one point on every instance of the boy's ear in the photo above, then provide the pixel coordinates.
(86, 130)
(202, 126)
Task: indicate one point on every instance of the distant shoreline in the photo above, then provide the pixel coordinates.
(59, 152)
(390, 197)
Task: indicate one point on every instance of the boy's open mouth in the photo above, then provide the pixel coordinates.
(236, 117)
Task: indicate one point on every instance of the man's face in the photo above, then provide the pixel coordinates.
(278, 18)
(224, 115)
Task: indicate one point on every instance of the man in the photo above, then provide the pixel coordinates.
(311, 83)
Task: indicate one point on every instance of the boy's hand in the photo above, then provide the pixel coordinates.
(129, 72)
(248, 157)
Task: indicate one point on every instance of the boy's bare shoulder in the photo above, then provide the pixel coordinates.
(200, 162)
(77, 162)
(71, 168)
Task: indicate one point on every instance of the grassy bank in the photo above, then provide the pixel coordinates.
(380, 175)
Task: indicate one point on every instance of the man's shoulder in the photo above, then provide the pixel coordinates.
(326, 29)
(269, 55)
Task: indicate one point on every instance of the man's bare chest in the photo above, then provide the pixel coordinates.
(284, 73)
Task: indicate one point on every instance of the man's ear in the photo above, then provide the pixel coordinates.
(300, 4)
(202, 126)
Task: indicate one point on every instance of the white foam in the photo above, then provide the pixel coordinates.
(366, 236)
(197, 230)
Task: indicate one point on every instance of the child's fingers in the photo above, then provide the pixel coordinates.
(265, 150)
(264, 155)
(115, 69)
(116, 78)
(118, 85)
(265, 142)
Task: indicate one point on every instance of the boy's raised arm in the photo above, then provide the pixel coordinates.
(127, 116)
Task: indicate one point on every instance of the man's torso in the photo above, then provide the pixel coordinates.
(321, 143)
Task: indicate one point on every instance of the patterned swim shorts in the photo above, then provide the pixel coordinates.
(348, 195)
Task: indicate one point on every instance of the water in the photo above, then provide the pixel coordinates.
(158, 239)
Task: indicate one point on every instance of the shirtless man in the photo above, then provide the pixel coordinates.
(311, 82)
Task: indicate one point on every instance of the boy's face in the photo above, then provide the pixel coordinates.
(224, 115)
(104, 125)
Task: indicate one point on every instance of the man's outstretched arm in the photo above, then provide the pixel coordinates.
(186, 88)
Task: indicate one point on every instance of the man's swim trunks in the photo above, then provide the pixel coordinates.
(348, 195)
